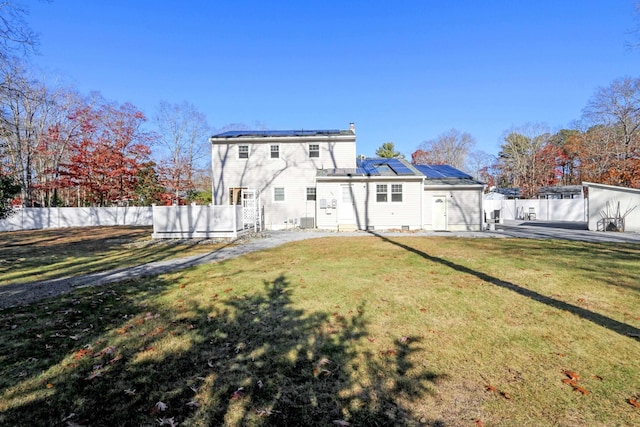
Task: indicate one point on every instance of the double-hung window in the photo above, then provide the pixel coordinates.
(278, 194)
(396, 192)
(311, 193)
(314, 150)
(243, 151)
(381, 193)
(275, 151)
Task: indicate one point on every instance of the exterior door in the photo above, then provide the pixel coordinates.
(345, 207)
(439, 213)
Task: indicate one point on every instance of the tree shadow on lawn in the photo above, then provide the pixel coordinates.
(597, 318)
(614, 264)
(158, 350)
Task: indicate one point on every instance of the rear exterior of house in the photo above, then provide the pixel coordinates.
(312, 179)
(281, 166)
(378, 194)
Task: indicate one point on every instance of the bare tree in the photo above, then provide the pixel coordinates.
(24, 105)
(617, 106)
(15, 35)
(184, 134)
(527, 159)
(450, 148)
(479, 163)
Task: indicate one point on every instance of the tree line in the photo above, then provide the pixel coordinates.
(602, 146)
(61, 148)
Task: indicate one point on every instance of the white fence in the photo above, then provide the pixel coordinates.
(38, 218)
(182, 222)
(538, 209)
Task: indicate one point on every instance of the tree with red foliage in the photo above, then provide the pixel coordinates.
(528, 159)
(109, 151)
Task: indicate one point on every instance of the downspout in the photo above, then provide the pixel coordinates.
(422, 184)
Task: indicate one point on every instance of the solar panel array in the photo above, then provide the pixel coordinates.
(442, 171)
(276, 133)
(370, 166)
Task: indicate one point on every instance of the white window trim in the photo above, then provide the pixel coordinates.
(309, 151)
(390, 193)
(401, 193)
(315, 194)
(284, 195)
(386, 193)
(248, 152)
(271, 151)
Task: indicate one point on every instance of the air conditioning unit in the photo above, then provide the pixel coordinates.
(307, 222)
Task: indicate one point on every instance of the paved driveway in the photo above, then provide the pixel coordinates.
(562, 230)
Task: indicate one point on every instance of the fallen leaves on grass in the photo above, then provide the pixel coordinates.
(169, 422)
(634, 402)
(238, 394)
(159, 407)
(572, 375)
(319, 370)
(572, 380)
(491, 388)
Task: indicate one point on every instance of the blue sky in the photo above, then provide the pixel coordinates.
(402, 71)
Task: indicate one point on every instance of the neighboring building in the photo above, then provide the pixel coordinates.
(613, 208)
(313, 179)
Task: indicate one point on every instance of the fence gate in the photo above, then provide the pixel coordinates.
(251, 217)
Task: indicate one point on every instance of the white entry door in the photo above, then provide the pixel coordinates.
(439, 213)
(345, 207)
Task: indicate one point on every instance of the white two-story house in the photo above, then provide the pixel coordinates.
(282, 166)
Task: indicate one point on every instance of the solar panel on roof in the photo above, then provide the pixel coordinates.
(442, 171)
(275, 133)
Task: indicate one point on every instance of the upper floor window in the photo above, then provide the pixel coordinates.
(396, 192)
(275, 151)
(314, 150)
(243, 151)
(381, 192)
(311, 193)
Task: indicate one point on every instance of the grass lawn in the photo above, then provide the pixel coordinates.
(341, 331)
(34, 255)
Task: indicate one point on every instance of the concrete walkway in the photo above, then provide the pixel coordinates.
(25, 293)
